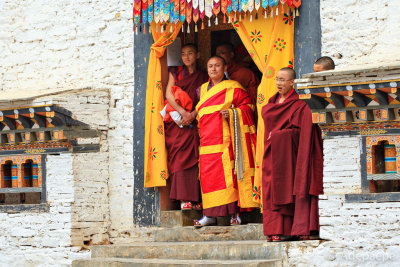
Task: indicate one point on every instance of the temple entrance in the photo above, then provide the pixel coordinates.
(207, 41)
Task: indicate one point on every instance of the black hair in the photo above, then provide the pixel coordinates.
(291, 72)
(191, 45)
(221, 58)
(326, 62)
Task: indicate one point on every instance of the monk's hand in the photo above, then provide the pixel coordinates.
(225, 113)
(187, 118)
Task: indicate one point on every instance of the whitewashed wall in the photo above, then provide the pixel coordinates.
(43, 238)
(355, 234)
(362, 32)
(74, 44)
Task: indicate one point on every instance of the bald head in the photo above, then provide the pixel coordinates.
(226, 51)
(324, 64)
(290, 72)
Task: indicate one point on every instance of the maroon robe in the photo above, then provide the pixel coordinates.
(183, 143)
(292, 168)
(246, 78)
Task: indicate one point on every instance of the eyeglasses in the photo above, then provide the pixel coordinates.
(281, 80)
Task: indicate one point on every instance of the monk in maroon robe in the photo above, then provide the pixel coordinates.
(182, 138)
(292, 164)
(238, 73)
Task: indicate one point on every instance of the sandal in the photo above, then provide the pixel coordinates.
(204, 221)
(304, 237)
(235, 219)
(198, 206)
(269, 238)
(186, 205)
(281, 238)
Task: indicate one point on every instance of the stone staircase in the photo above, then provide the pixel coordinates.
(178, 245)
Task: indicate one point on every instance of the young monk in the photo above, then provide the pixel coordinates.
(238, 73)
(323, 64)
(292, 164)
(227, 146)
(181, 138)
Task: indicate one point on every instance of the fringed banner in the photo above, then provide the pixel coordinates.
(162, 12)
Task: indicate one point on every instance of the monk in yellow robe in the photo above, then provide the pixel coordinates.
(227, 146)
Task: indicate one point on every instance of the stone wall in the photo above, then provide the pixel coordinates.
(43, 238)
(358, 32)
(355, 233)
(75, 45)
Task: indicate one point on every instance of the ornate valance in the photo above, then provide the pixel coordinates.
(174, 12)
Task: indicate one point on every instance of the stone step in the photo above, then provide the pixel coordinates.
(121, 262)
(209, 233)
(225, 250)
(173, 218)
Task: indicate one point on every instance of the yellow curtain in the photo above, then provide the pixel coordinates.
(270, 43)
(155, 153)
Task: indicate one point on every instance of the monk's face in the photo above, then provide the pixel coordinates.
(318, 68)
(284, 83)
(224, 52)
(189, 56)
(216, 69)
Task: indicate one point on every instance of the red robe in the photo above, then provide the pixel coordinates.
(246, 78)
(183, 143)
(292, 168)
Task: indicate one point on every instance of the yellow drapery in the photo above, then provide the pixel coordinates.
(155, 153)
(270, 43)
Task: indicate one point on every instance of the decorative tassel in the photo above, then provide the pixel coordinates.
(144, 28)
(162, 28)
(195, 27)
(183, 29)
(188, 28)
(136, 29)
(272, 13)
(251, 17)
(265, 14)
(216, 20)
(277, 11)
(209, 22)
(283, 11)
(256, 15)
(294, 14)
(202, 25)
(156, 27)
(240, 16)
(297, 12)
(224, 19)
(229, 18)
(149, 29)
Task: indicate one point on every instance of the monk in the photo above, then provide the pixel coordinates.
(235, 72)
(324, 64)
(181, 138)
(292, 164)
(227, 146)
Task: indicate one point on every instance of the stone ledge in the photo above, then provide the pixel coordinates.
(20, 208)
(373, 197)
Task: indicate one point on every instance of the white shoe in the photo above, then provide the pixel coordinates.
(205, 221)
(235, 219)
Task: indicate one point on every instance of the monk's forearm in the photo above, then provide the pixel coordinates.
(176, 106)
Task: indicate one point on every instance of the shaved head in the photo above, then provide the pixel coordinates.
(323, 64)
(290, 71)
